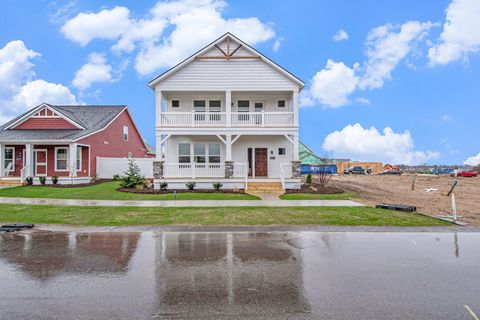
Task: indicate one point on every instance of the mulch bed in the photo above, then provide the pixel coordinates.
(315, 189)
(154, 191)
(79, 185)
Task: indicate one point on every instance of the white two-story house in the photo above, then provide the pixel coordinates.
(227, 114)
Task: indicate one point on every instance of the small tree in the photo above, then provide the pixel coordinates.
(133, 176)
(324, 175)
(309, 178)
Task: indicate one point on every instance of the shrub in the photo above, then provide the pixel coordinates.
(54, 179)
(190, 185)
(29, 180)
(42, 180)
(133, 177)
(116, 177)
(309, 179)
(217, 186)
(163, 186)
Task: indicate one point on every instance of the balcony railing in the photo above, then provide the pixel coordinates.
(219, 119)
(194, 170)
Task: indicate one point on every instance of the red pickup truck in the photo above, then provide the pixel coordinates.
(464, 173)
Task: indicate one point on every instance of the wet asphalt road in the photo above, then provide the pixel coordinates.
(274, 275)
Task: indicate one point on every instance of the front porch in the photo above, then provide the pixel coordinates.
(70, 163)
(231, 159)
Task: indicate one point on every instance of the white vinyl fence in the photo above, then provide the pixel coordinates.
(108, 167)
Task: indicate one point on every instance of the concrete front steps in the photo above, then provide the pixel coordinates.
(264, 187)
(11, 183)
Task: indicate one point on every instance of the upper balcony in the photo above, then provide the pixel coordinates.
(220, 119)
(264, 109)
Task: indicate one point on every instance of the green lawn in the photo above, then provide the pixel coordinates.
(317, 196)
(107, 191)
(124, 216)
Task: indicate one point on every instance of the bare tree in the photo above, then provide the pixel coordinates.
(324, 175)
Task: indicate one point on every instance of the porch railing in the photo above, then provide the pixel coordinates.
(285, 172)
(240, 170)
(193, 119)
(218, 119)
(23, 172)
(194, 170)
(262, 119)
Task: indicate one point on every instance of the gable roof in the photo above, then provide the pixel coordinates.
(213, 44)
(306, 156)
(90, 118)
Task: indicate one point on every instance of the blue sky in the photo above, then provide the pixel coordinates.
(409, 66)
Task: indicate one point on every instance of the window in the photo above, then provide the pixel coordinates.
(79, 159)
(281, 104)
(258, 106)
(214, 105)
(199, 153)
(199, 105)
(61, 159)
(184, 153)
(214, 153)
(125, 133)
(175, 103)
(9, 154)
(243, 105)
(281, 151)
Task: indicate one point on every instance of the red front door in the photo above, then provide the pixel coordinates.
(261, 162)
(40, 162)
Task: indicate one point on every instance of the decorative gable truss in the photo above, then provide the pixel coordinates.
(228, 49)
(44, 117)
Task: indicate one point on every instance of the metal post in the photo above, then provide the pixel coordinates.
(454, 207)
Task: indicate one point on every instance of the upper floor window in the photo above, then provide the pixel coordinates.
(243, 106)
(281, 104)
(125, 133)
(199, 105)
(175, 103)
(214, 106)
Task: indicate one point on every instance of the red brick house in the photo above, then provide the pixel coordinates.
(65, 141)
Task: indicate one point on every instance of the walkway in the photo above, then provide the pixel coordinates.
(184, 203)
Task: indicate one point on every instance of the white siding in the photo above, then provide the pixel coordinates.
(109, 167)
(222, 74)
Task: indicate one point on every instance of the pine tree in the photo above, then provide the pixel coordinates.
(133, 176)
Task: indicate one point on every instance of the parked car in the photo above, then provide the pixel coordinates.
(391, 171)
(356, 170)
(464, 173)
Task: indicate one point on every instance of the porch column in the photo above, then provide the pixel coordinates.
(158, 147)
(295, 147)
(2, 163)
(228, 107)
(295, 107)
(73, 160)
(228, 147)
(28, 160)
(228, 157)
(158, 108)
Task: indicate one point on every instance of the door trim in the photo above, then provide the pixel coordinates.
(41, 163)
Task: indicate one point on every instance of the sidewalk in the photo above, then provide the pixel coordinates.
(184, 203)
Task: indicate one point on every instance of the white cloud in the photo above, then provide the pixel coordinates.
(460, 35)
(95, 70)
(277, 44)
(18, 89)
(368, 144)
(331, 86)
(106, 24)
(363, 101)
(340, 35)
(446, 118)
(387, 45)
(473, 161)
(170, 32)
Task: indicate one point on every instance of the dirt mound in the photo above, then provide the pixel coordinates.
(375, 189)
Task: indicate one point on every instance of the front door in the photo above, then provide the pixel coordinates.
(40, 162)
(261, 162)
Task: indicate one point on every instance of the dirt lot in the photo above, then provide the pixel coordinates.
(375, 189)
